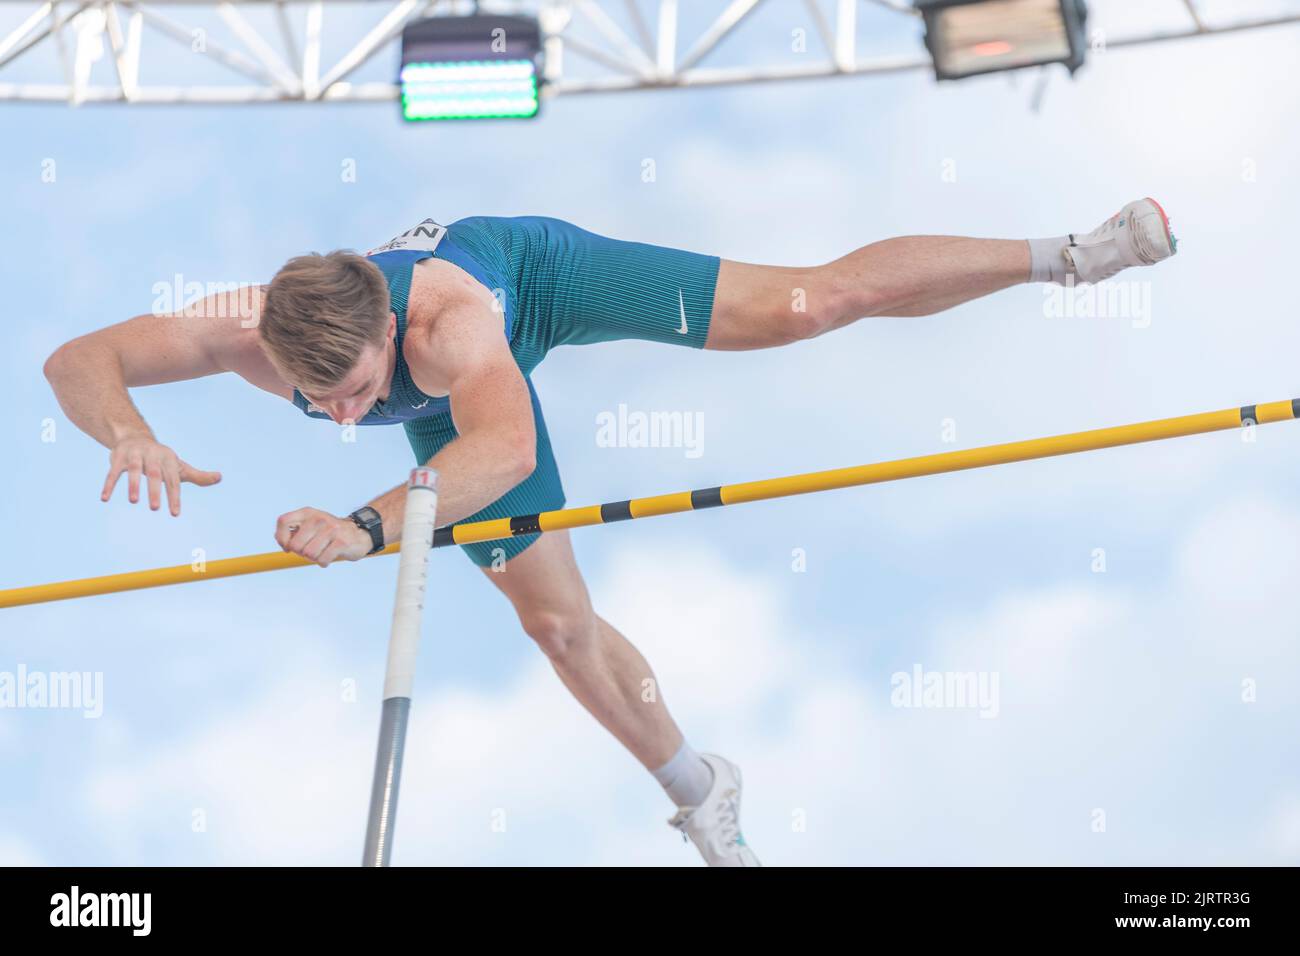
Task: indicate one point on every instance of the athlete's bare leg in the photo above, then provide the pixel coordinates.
(599, 666)
(758, 307)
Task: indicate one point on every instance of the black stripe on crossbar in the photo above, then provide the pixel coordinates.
(442, 537)
(616, 511)
(525, 524)
(706, 498)
(1248, 415)
(1295, 408)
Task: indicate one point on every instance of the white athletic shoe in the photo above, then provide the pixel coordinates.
(1137, 235)
(714, 826)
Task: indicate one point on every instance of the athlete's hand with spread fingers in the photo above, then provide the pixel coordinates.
(321, 537)
(142, 455)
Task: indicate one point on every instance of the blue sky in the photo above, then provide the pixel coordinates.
(251, 704)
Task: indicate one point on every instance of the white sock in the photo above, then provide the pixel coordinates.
(686, 778)
(1047, 262)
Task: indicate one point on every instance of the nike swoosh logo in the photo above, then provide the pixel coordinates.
(681, 303)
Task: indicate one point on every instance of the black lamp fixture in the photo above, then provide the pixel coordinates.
(970, 37)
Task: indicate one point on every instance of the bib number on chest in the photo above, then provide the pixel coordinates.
(422, 238)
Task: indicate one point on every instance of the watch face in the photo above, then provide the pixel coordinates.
(368, 520)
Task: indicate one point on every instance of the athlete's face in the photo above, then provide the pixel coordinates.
(365, 384)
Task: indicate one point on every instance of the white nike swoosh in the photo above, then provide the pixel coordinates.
(682, 305)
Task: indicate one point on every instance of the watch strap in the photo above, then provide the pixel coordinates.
(368, 520)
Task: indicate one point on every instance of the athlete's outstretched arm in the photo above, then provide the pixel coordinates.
(90, 376)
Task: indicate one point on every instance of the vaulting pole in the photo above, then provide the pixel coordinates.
(399, 678)
(816, 481)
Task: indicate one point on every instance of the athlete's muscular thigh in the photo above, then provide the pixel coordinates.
(547, 590)
(758, 307)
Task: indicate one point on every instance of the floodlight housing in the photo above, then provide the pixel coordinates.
(971, 37)
(471, 67)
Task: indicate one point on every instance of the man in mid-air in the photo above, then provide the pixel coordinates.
(439, 329)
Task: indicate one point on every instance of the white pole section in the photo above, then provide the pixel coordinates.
(403, 642)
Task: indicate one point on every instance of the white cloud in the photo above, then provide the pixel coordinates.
(1281, 831)
(1242, 563)
(17, 851)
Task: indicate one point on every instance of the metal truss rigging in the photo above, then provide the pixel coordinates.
(288, 51)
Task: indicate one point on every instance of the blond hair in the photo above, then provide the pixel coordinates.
(319, 314)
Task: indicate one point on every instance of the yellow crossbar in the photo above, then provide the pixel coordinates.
(805, 484)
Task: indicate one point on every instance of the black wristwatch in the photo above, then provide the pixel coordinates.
(368, 520)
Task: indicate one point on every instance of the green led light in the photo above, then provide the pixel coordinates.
(469, 90)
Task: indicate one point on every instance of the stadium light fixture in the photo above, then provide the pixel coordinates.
(471, 67)
(970, 37)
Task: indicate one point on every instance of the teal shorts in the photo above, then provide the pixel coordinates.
(567, 286)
